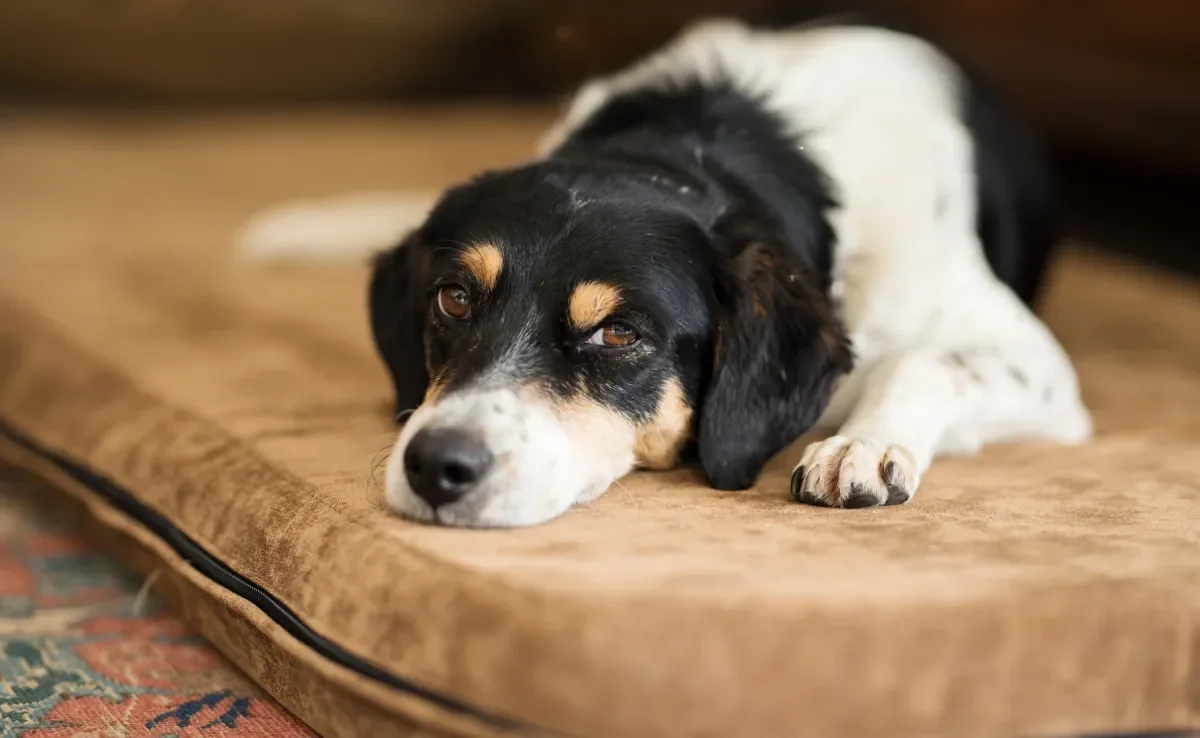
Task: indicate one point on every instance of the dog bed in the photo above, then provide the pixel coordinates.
(220, 421)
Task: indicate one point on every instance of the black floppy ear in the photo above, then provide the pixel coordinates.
(778, 351)
(395, 302)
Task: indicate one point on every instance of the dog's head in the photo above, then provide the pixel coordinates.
(551, 327)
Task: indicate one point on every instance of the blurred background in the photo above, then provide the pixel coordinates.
(1113, 85)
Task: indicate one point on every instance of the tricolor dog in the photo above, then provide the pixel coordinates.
(746, 235)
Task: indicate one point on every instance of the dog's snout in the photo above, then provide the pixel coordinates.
(444, 464)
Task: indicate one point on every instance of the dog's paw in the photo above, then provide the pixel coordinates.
(851, 472)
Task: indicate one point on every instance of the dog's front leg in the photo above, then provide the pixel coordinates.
(915, 406)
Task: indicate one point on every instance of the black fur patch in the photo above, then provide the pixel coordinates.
(1017, 217)
(394, 302)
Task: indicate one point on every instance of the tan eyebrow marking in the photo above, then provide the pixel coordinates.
(485, 262)
(592, 302)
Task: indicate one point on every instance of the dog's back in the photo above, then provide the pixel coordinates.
(882, 112)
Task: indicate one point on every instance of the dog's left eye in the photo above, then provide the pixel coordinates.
(614, 335)
(454, 302)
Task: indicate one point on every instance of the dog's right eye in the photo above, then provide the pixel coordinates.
(614, 335)
(454, 302)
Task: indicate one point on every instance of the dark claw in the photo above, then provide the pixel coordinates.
(809, 498)
(860, 497)
(889, 473)
(896, 493)
(800, 495)
(798, 484)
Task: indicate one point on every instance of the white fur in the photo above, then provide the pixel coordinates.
(948, 359)
(334, 228)
(546, 461)
(541, 469)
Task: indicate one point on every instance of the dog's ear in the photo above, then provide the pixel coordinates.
(396, 305)
(778, 351)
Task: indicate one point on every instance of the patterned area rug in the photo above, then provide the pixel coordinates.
(84, 652)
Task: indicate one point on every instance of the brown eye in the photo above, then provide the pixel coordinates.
(614, 335)
(454, 302)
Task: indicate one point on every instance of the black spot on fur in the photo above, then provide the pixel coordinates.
(957, 361)
(1018, 376)
(954, 359)
(940, 205)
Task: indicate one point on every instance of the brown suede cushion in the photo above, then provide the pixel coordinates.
(1032, 590)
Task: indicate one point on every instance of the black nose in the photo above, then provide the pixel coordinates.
(443, 464)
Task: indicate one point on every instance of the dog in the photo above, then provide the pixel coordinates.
(745, 235)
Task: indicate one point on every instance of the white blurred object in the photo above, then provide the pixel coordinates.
(335, 229)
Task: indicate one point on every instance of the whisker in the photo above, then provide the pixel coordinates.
(628, 493)
(378, 459)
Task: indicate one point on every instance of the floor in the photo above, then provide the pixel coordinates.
(87, 651)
